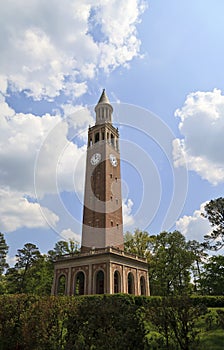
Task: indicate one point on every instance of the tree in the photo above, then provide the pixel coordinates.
(39, 277)
(175, 319)
(3, 264)
(64, 247)
(214, 212)
(170, 264)
(212, 279)
(18, 275)
(140, 243)
(3, 253)
(200, 256)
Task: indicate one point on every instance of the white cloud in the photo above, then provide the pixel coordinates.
(41, 148)
(11, 260)
(16, 211)
(53, 46)
(25, 138)
(128, 218)
(202, 126)
(194, 227)
(69, 234)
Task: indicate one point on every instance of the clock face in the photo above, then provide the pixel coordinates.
(113, 160)
(95, 159)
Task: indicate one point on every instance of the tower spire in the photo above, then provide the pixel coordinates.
(103, 109)
(104, 98)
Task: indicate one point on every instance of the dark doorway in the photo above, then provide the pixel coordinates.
(131, 287)
(142, 285)
(100, 282)
(117, 282)
(80, 283)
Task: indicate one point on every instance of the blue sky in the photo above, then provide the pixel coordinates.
(161, 63)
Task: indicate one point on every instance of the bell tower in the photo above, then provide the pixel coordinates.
(102, 213)
(102, 265)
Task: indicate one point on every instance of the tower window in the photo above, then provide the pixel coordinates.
(112, 139)
(111, 176)
(111, 198)
(117, 226)
(116, 179)
(111, 223)
(97, 137)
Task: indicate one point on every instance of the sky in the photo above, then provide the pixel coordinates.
(161, 63)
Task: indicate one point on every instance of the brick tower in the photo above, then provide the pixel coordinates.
(102, 266)
(102, 214)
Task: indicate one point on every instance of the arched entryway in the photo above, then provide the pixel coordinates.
(142, 286)
(117, 282)
(61, 287)
(100, 282)
(131, 284)
(79, 288)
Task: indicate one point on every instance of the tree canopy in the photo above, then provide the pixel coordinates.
(214, 212)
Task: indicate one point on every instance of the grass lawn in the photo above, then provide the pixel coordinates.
(211, 335)
(212, 340)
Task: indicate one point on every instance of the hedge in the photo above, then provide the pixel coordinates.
(88, 322)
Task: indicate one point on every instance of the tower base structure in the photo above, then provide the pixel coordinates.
(101, 271)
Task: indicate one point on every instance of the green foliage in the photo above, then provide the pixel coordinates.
(118, 321)
(106, 322)
(64, 247)
(33, 272)
(12, 310)
(220, 314)
(214, 212)
(175, 320)
(199, 255)
(171, 260)
(3, 252)
(211, 335)
(139, 243)
(208, 300)
(212, 279)
(170, 265)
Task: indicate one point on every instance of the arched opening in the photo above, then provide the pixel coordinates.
(79, 284)
(97, 137)
(100, 282)
(142, 286)
(117, 282)
(112, 139)
(131, 286)
(61, 287)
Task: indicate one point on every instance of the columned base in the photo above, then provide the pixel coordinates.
(101, 271)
